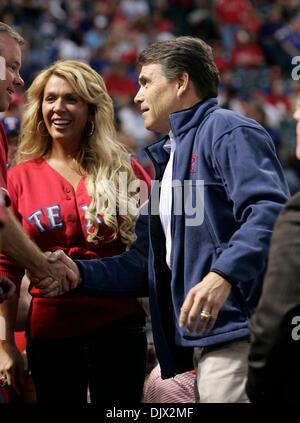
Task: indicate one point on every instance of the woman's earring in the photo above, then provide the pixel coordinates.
(90, 133)
(41, 122)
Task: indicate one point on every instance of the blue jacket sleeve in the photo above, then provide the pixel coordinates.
(125, 275)
(255, 183)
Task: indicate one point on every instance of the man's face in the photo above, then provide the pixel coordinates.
(10, 63)
(157, 98)
(297, 118)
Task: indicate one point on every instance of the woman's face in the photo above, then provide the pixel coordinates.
(65, 114)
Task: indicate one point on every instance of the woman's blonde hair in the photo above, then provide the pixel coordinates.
(101, 156)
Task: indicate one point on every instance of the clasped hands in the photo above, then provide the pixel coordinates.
(62, 275)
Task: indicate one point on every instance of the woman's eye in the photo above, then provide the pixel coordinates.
(72, 99)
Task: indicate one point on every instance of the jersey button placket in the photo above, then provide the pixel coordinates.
(68, 191)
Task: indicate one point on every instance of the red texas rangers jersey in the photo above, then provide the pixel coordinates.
(54, 217)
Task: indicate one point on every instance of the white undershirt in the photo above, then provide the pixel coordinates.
(165, 202)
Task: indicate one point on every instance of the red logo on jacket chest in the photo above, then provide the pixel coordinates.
(193, 162)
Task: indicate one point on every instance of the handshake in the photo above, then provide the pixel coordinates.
(56, 276)
(60, 276)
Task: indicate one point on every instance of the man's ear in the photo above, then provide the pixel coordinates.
(183, 81)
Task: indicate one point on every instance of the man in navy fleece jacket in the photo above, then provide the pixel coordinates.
(201, 250)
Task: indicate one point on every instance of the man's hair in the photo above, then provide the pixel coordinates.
(6, 29)
(185, 54)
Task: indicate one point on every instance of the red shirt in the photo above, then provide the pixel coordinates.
(248, 55)
(120, 85)
(280, 101)
(232, 12)
(3, 173)
(53, 215)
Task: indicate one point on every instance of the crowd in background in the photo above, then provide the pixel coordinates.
(253, 42)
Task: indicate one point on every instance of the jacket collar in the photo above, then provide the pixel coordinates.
(181, 122)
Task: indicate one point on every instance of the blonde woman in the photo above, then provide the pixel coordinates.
(70, 169)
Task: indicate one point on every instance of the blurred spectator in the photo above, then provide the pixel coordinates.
(72, 48)
(132, 123)
(134, 9)
(252, 21)
(246, 53)
(254, 109)
(97, 35)
(289, 41)
(288, 9)
(277, 104)
(229, 100)
(119, 84)
(201, 21)
(160, 22)
(128, 141)
(222, 62)
(231, 15)
(11, 121)
(266, 37)
(177, 11)
(228, 93)
(101, 60)
(161, 27)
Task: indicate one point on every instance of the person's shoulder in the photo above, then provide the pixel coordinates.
(233, 118)
(26, 166)
(223, 121)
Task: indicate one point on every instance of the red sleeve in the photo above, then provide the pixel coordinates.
(3, 163)
(7, 267)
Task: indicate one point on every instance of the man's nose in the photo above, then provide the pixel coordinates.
(19, 81)
(137, 98)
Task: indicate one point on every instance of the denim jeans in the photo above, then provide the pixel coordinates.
(111, 361)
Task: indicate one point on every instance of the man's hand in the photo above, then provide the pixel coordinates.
(11, 366)
(7, 288)
(64, 276)
(206, 297)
